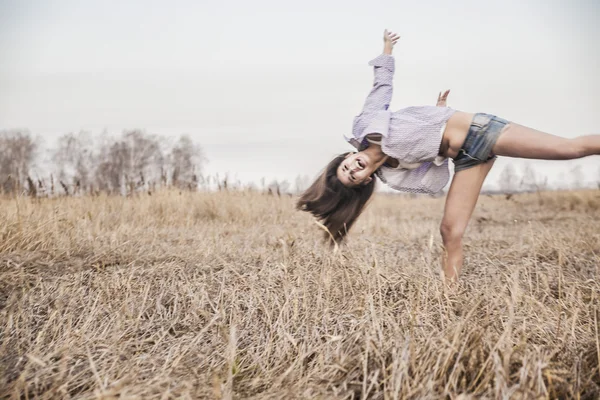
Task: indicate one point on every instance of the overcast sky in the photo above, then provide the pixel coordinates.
(269, 88)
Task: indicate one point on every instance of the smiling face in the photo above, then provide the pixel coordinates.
(355, 170)
(332, 203)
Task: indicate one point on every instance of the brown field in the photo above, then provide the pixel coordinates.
(232, 295)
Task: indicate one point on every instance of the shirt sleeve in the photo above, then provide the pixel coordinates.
(381, 94)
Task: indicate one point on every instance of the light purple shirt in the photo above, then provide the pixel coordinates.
(410, 135)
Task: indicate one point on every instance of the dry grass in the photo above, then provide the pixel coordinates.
(230, 295)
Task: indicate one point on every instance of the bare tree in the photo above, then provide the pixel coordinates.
(16, 158)
(128, 162)
(74, 158)
(532, 181)
(111, 166)
(577, 177)
(508, 179)
(145, 153)
(186, 160)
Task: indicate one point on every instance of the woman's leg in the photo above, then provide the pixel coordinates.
(460, 203)
(520, 141)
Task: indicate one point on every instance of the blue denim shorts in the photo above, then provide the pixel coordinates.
(477, 148)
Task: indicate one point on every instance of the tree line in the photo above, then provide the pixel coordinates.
(82, 163)
(135, 161)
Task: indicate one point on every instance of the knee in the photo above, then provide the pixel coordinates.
(451, 233)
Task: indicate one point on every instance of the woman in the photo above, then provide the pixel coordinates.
(409, 149)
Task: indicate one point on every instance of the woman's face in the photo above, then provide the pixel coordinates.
(355, 170)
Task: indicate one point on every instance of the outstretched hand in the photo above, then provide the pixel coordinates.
(441, 101)
(389, 40)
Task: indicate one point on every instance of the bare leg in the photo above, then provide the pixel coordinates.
(515, 141)
(460, 203)
(520, 141)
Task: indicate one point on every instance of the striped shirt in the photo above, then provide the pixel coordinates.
(410, 135)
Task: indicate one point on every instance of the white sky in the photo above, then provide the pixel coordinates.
(268, 88)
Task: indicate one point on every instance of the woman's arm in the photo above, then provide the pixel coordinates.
(381, 94)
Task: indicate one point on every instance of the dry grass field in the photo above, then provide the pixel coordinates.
(232, 295)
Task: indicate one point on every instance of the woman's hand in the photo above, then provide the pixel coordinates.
(389, 40)
(441, 101)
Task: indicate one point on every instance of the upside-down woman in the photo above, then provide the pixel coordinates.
(409, 150)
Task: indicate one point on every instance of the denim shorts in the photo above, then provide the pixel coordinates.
(477, 148)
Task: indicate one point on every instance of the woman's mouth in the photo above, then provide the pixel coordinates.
(360, 164)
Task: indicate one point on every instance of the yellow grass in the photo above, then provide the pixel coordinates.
(232, 295)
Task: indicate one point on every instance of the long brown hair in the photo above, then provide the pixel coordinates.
(335, 205)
